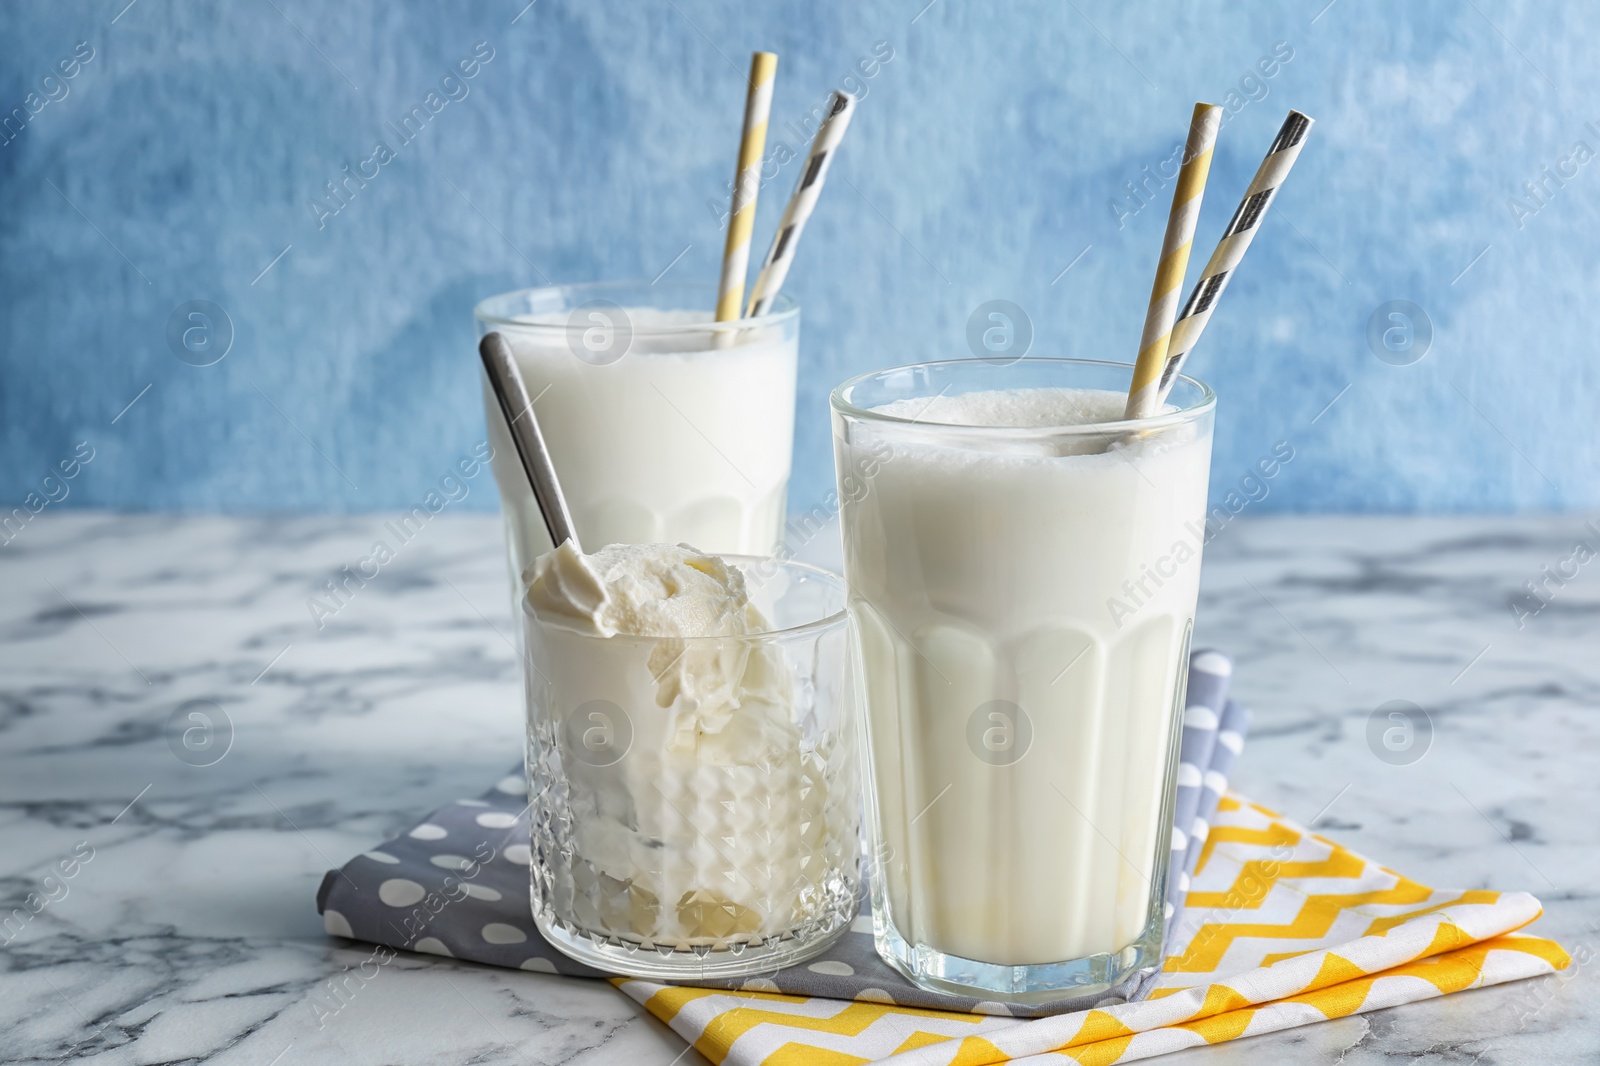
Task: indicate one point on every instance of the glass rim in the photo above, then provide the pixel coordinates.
(783, 308)
(832, 620)
(837, 401)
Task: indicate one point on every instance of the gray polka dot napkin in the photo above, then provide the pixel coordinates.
(457, 884)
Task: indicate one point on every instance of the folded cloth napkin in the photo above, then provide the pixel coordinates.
(457, 885)
(1278, 927)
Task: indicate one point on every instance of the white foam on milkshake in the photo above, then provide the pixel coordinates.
(1013, 408)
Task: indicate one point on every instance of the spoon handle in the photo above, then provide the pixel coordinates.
(506, 380)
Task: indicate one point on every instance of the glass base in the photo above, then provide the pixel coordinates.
(629, 958)
(1043, 983)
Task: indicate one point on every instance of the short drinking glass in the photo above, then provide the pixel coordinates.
(668, 844)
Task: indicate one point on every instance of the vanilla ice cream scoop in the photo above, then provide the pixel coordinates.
(677, 595)
(644, 590)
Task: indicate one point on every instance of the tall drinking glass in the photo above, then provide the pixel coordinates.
(664, 426)
(1022, 568)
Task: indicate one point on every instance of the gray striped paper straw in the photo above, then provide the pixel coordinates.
(1234, 243)
(781, 255)
(1210, 674)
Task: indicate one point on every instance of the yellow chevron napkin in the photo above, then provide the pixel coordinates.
(1281, 928)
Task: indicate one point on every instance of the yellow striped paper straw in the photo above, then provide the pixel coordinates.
(1144, 393)
(746, 184)
(1242, 229)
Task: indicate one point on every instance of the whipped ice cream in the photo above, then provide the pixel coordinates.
(676, 595)
(682, 806)
(644, 590)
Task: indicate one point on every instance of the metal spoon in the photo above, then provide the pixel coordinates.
(506, 380)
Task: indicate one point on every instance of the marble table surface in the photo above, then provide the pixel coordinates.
(187, 930)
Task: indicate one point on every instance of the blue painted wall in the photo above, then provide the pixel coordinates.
(991, 151)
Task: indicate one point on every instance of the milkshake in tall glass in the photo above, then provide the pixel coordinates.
(1023, 567)
(663, 425)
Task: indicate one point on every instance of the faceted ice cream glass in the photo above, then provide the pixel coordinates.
(709, 855)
